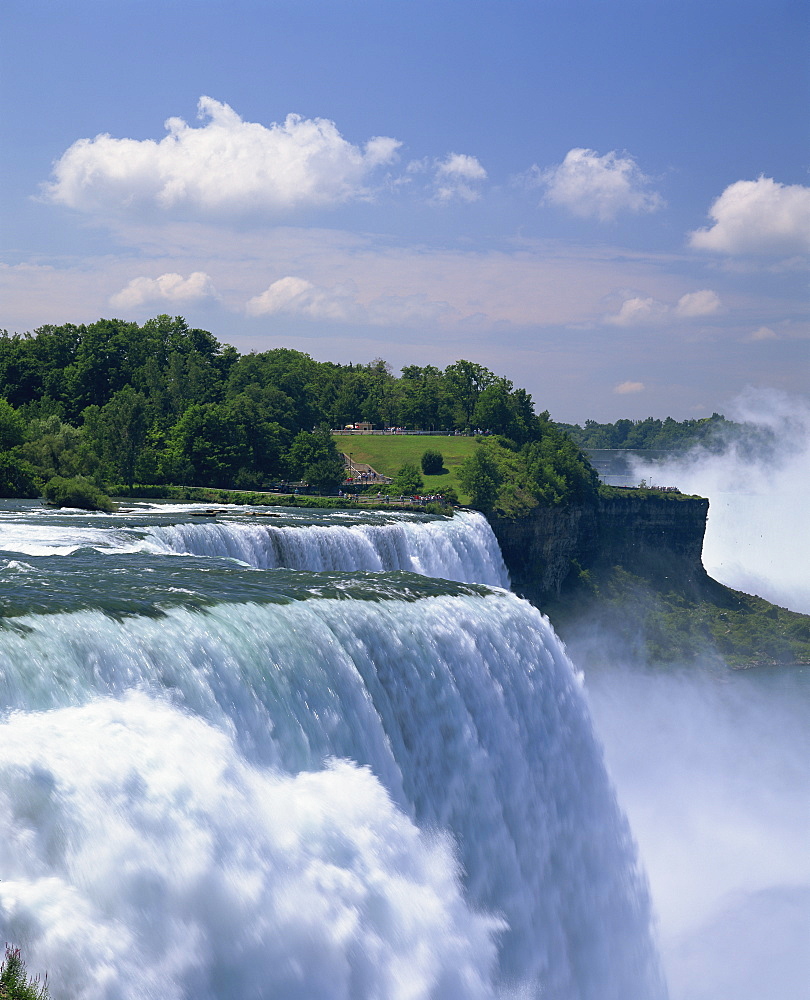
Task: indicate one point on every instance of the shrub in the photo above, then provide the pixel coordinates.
(438, 508)
(432, 462)
(76, 492)
(15, 984)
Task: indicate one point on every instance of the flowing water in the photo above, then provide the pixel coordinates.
(326, 756)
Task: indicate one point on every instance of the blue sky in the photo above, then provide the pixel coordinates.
(607, 202)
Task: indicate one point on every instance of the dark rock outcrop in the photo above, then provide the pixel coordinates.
(659, 538)
(622, 581)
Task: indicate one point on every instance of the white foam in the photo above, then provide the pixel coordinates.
(467, 712)
(60, 539)
(143, 857)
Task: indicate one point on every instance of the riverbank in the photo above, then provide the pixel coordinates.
(205, 494)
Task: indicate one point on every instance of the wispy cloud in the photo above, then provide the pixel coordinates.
(761, 333)
(295, 296)
(225, 167)
(702, 303)
(594, 186)
(758, 217)
(629, 388)
(638, 310)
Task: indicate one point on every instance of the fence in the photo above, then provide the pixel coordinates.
(397, 430)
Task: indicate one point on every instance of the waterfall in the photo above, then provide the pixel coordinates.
(390, 791)
(460, 548)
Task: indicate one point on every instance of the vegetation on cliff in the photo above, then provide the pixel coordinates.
(163, 404)
(510, 479)
(660, 621)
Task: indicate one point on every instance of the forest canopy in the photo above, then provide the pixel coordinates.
(164, 403)
(167, 404)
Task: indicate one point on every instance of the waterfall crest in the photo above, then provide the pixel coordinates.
(461, 548)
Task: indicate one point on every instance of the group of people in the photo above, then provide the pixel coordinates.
(384, 497)
(363, 477)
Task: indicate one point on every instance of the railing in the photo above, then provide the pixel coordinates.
(393, 430)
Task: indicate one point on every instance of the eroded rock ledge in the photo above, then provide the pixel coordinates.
(656, 537)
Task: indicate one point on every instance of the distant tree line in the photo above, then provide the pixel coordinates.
(164, 403)
(642, 435)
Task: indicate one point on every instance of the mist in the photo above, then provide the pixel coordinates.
(710, 764)
(711, 770)
(757, 482)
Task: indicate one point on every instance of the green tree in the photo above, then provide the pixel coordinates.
(56, 448)
(14, 981)
(424, 400)
(407, 481)
(493, 409)
(558, 471)
(118, 431)
(266, 438)
(481, 478)
(209, 445)
(380, 403)
(465, 382)
(348, 404)
(17, 477)
(107, 356)
(313, 458)
(12, 426)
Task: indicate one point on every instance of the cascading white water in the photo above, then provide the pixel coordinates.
(392, 792)
(144, 858)
(462, 548)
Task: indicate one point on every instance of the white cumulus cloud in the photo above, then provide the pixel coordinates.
(626, 388)
(457, 176)
(226, 166)
(594, 186)
(758, 217)
(165, 288)
(297, 296)
(702, 303)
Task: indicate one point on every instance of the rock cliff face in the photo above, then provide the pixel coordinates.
(660, 538)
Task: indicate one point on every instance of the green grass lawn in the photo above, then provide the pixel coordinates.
(387, 452)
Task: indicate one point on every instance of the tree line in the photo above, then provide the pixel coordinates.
(651, 433)
(164, 403)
